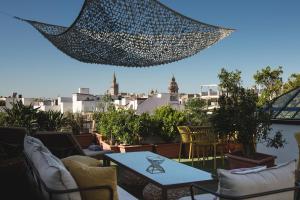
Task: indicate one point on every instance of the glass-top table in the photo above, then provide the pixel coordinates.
(169, 174)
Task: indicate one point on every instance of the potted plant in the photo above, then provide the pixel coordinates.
(239, 117)
(168, 119)
(121, 128)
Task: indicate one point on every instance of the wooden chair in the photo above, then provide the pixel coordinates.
(65, 144)
(205, 139)
(185, 138)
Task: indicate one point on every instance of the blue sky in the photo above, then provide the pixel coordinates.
(267, 34)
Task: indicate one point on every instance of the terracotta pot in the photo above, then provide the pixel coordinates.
(238, 160)
(132, 148)
(107, 146)
(169, 150)
(232, 147)
(85, 140)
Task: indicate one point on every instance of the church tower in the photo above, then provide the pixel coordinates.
(173, 90)
(114, 88)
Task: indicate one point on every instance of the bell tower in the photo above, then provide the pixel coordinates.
(114, 88)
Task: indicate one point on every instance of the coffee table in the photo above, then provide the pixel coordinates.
(172, 175)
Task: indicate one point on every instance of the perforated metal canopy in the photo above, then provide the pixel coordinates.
(132, 33)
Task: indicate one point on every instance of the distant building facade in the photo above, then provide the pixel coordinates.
(84, 102)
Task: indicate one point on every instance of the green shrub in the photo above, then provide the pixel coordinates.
(21, 116)
(119, 126)
(50, 120)
(2, 119)
(169, 119)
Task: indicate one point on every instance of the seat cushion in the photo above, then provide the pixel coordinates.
(87, 176)
(92, 162)
(278, 177)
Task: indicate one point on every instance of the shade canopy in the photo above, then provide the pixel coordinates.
(132, 33)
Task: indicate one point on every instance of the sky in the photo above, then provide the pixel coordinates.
(267, 33)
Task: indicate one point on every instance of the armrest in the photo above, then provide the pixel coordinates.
(99, 187)
(51, 191)
(297, 187)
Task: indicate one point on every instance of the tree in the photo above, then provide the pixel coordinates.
(196, 111)
(105, 103)
(239, 116)
(229, 81)
(270, 81)
(170, 119)
(293, 82)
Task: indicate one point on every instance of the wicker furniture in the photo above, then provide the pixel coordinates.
(175, 175)
(65, 144)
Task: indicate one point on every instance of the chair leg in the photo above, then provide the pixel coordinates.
(203, 156)
(222, 156)
(180, 148)
(215, 156)
(190, 151)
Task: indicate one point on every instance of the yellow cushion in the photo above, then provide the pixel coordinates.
(86, 176)
(92, 162)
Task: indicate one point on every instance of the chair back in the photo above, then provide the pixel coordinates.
(11, 142)
(185, 134)
(203, 134)
(60, 144)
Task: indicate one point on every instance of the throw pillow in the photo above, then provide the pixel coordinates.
(55, 175)
(278, 177)
(86, 176)
(92, 162)
(33, 144)
(248, 170)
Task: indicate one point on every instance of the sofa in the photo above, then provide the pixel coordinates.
(75, 177)
(256, 183)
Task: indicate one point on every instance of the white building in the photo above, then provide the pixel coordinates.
(129, 102)
(158, 100)
(7, 101)
(84, 102)
(65, 104)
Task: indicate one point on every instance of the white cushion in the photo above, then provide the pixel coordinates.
(278, 177)
(248, 170)
(33, 144)
(54, 174)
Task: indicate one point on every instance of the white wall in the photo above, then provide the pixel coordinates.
(290, 150)
(66, 107)
(84, 106)
(27, 101)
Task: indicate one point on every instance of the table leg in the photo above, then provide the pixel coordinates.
(106, 162)
(164, 194)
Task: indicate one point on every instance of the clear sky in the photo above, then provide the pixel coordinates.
(267, 34)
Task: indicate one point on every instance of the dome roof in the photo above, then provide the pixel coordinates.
(287, 106)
